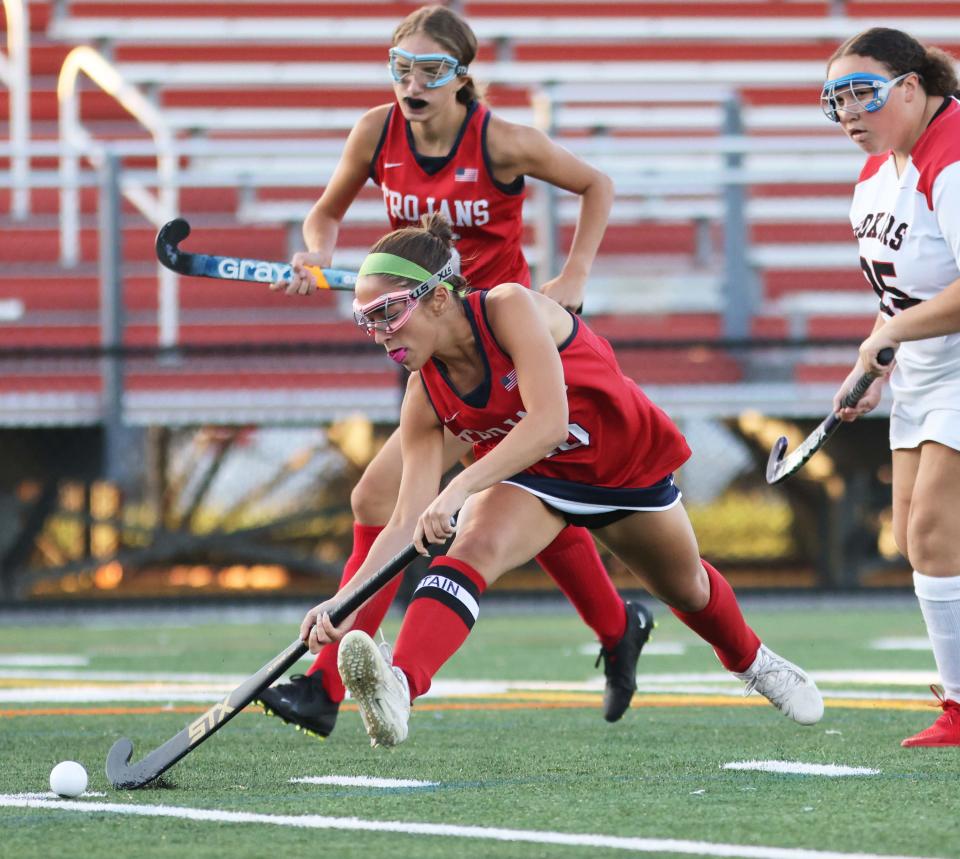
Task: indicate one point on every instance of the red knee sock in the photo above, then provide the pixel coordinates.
(370, 616)
(722, 625)
(572, 561)
(438, 620)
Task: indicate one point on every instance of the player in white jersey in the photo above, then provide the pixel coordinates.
(896, 100)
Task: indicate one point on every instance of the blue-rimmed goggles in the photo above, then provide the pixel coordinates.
(856, 93)
(433, 70)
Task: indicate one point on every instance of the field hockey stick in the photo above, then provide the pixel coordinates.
(780, 467)
(235, 268)
(126, 776)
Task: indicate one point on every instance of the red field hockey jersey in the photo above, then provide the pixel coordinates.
(618, 437)
(486, 215)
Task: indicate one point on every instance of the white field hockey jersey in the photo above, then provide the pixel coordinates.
(908, 229)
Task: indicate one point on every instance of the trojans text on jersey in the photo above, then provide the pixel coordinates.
(460, 213)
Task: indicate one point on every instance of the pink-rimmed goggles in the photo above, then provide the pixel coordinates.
(390, 312)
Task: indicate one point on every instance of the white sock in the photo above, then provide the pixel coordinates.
(940, 603)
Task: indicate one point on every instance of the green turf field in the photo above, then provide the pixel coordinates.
(538, 761)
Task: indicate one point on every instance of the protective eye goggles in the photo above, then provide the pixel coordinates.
(856, 93)
(433, 70)
(389, 313)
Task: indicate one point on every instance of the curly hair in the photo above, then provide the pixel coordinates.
(901, 53)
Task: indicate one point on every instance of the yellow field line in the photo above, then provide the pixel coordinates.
(550, 701)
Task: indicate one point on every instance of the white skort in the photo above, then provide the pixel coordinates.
(926, 393)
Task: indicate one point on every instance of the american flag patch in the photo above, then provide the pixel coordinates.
(466, 174)
(510, 380)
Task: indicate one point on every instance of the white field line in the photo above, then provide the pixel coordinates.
(901, 644)
(864, 677)
(207, 695)
(835, 694)
(480, 833)
(42, 660)
(363, 781)
(852, 676)
(170, 688)
(100, 695)
(797, 768)
(49, 794)
(140, 677)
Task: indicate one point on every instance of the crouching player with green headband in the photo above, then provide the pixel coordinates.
(560, 437)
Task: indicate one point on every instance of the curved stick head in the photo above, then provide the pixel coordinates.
(117, 759)
(776, 457)
(170, 235)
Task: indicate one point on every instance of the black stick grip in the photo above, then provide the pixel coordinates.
(394, 566)
(855, 394)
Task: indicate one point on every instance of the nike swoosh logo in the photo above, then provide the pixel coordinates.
(393, 164)
(447, 420)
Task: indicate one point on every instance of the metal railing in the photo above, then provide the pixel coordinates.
(15, 73)
(76, 143)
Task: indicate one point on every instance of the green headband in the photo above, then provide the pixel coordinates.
(380, 263)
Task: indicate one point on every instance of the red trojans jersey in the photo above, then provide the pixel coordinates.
(486, 215)
(618, 438)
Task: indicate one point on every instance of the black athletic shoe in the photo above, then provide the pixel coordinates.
(620, 663)
(303, 703)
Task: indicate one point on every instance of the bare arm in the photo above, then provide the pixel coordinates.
(934, 317)
(322, 224)
(527, 333)
(422, 445)
(871, 399)
(518, 150)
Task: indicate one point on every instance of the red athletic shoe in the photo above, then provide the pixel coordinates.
(945, 731)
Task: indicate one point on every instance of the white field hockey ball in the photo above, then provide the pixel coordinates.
(68, 778)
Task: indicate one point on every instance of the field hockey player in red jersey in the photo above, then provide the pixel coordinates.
(896, 99)
(560, 436)
(438, 148)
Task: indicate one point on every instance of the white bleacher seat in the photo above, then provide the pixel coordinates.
(573, 28)
(616, 118)
(11, 310)
(822, 255)
(625, 211)
(753, 73)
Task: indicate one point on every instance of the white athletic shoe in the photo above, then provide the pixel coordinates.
(785, 686)
(380, 690)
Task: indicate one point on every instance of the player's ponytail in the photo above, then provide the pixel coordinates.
(438, 227)
(901, 53)
(449, 29)
(939, 75)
